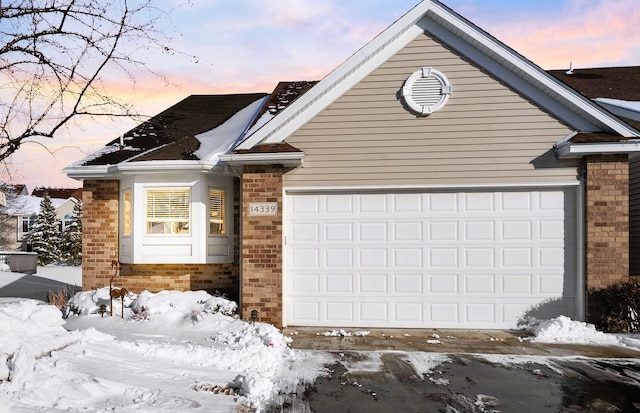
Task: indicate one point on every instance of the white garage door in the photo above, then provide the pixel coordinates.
(438, 260)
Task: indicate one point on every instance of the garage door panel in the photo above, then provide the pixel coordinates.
(339, 232)
(339, 312)
(479, 284)
(339, 284)
(443, 231)
(516, 230)
(408, 284)
(443, 258)
(305, 284)
(305, 258)
(338, 204)
(409, 312)
(373, 258)
(372, 204)
(478, 257)
(480, 313)
(374, 284)
(407, 231)
(479, 231)
(373, 232)
(516, 284)
(440, 260)
(443, 284)
(516, 201)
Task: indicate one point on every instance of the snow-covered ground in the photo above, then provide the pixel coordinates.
(171, 352)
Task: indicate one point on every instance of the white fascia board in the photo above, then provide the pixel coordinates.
(160, 167)
(281, 158)
(87, 172)
(113, 171)
(517, 62)
(341, 79)
(578, 150)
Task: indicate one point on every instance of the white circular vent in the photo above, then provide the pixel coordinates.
(426, 91)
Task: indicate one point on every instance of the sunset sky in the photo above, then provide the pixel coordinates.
(249, 46)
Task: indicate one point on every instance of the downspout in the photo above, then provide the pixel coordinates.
(581, 245)
(240, 247)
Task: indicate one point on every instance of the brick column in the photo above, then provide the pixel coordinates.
(261, 283)
(607, 223)
(99, 232)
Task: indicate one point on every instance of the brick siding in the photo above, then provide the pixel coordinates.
(99, 232)
(262, 245)
(607, 222)
(100, 248)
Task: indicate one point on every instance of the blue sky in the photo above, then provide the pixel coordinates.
(248, 46)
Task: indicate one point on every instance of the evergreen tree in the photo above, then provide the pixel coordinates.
(72, 237)
(44, 235)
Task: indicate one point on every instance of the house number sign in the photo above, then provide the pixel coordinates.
(263, 208)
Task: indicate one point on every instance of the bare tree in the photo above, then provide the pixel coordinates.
(54, 55)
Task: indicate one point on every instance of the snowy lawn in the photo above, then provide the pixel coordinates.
(171, 352)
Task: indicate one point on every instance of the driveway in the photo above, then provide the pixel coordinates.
(405, 373)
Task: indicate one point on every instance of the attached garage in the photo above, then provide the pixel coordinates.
(472, 259)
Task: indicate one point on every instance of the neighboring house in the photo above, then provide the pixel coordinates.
(22, 209)
(436, 179)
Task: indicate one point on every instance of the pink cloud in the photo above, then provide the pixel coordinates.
(587, 33)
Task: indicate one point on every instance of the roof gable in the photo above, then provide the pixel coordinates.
(467, 39)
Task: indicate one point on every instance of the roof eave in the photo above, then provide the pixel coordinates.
(579, 150)
(87, 172)
(164, 167)
(289, 159)
(132, 168)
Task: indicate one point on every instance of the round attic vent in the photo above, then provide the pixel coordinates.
(426, 91)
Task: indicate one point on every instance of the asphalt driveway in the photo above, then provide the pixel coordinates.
(427, 371)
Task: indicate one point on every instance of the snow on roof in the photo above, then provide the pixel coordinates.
(219, 139)
(30, 205)
(623, 104)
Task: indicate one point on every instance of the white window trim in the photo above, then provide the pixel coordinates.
(189, 212)
(197, 247)
(225, 211)
(123, 212)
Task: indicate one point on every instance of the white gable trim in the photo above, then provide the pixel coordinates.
(523, 75)
(340, 80)
(487, 51)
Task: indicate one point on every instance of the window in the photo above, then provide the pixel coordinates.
(168, 211)
(27, 222)
(126, 213)
(68, 220)
(216, 212)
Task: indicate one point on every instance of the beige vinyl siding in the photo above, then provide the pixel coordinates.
(634, 216)
(485, 134)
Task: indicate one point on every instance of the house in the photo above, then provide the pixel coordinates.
(436, 178)
(21, 209)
